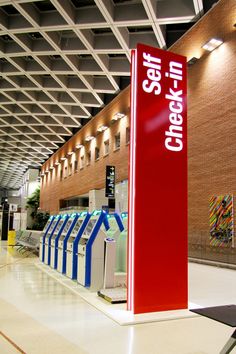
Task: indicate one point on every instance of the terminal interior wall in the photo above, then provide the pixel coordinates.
(211, 143)
(64, 181)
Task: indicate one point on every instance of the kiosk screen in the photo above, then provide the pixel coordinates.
(67, 226)
(89, 227)
(52, 226)
(113, 224)
(59, 226)
(77, 226)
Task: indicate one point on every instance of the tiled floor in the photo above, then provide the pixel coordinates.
(41, 316)
(6, 346)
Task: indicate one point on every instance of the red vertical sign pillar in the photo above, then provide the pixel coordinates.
(157, 250)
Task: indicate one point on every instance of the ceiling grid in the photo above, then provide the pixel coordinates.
(60, 61)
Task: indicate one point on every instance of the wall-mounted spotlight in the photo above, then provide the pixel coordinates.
(89, 138)
(118, 115)
(79, 146)
(70, 153)
(192, 61)
(102, 128)
(212, 44)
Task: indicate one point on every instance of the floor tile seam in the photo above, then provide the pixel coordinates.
(9, 340)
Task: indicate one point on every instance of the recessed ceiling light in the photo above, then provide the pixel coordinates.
(102, 128)
(212, 44)
(89, 138)
(79, 146)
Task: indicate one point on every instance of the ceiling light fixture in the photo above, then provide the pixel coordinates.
(89, 138)
(212, 44)
(192, 61)
(102, 128)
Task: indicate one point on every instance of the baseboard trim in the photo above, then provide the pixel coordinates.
(212, 263)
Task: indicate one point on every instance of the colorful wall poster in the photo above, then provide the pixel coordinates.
(221, 221)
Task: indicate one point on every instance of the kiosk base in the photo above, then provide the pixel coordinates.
(114, 295)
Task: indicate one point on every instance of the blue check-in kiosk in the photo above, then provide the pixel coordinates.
(42, 237)
(48, 235)
(70, 257)
(61, 241)
(115, 270)
(56, 234)
(112, 236)
(91, 251)
(121, 246)
(115, 226)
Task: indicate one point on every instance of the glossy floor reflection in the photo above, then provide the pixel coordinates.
(41, 316)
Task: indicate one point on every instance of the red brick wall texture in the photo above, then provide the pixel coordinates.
(92, 176)
(211, 143)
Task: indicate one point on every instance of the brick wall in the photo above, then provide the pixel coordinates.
(58, 185)
(211, 124)
(212, 143)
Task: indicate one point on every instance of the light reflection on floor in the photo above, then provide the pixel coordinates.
(41, 316)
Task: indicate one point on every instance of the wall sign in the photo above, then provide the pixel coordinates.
(110, 181)
(157, 260)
